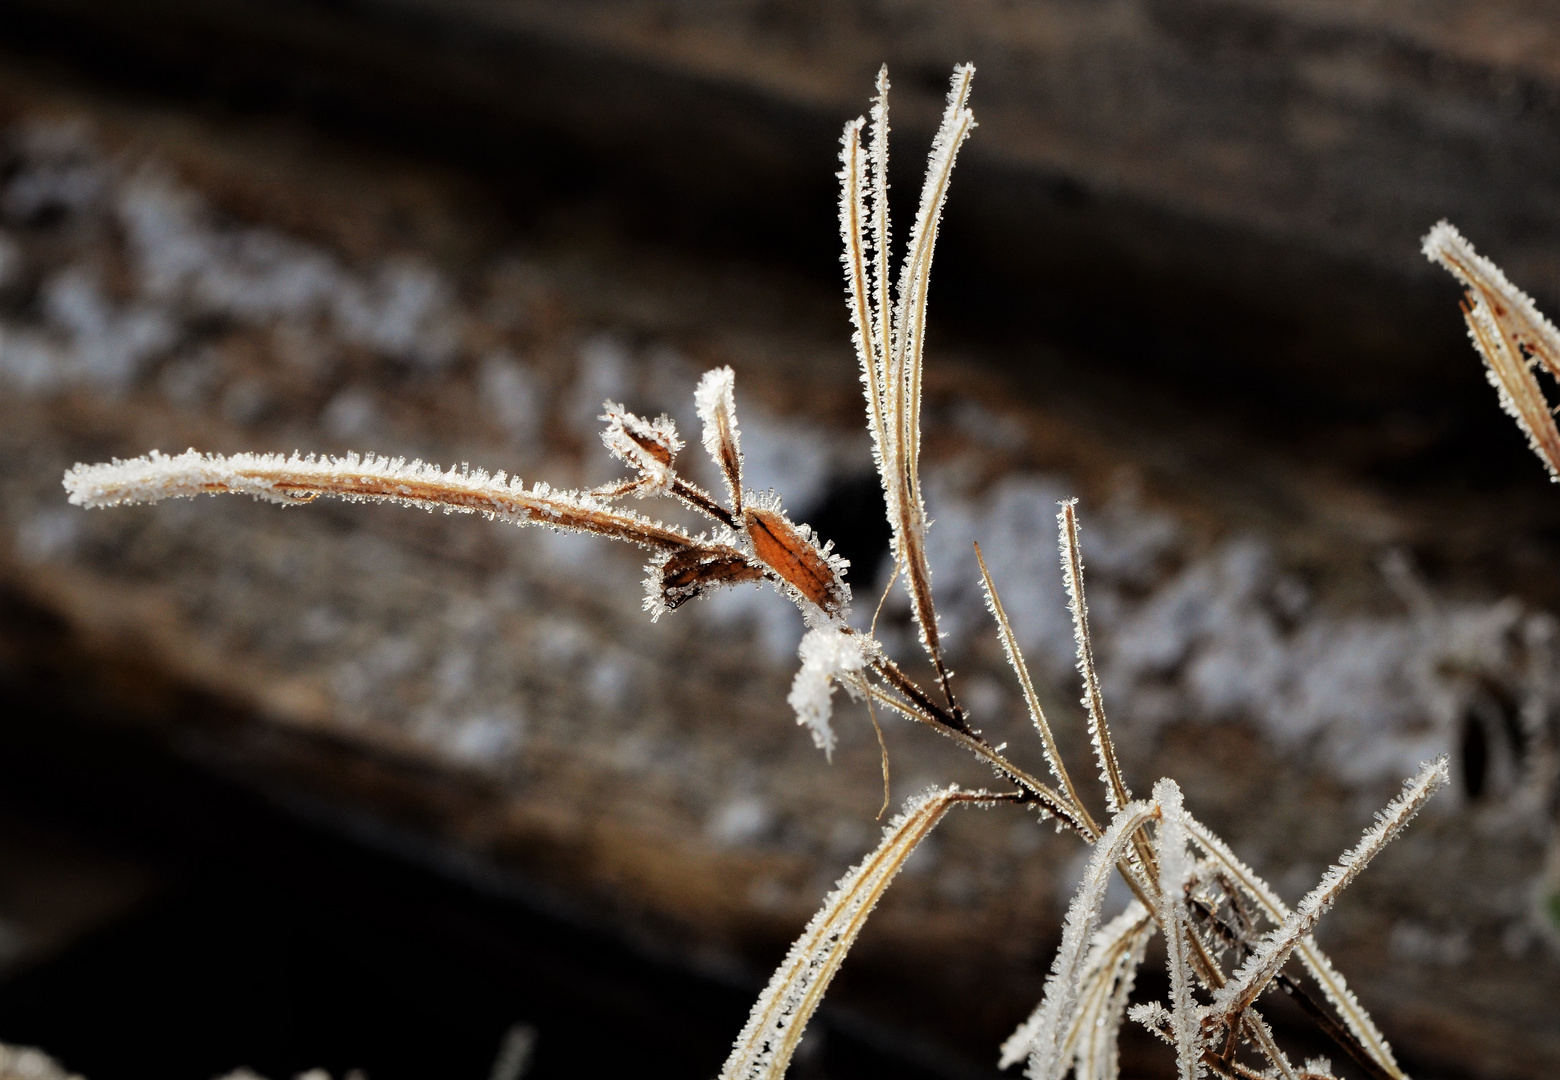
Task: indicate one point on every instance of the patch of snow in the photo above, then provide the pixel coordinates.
(453, 677)
(741, 821)
(48, 534)
(404, 310)
(33, 362)
(788, 457)
(604, 373)
(485, 738)
(351, 414)
(510, 392)
(1420, 944)
(1229, 635)
(245, 401)
(976, 422)
(109, 346)
(770, 617)
(12, 261)
(1375, 694)
(189, 380)
(1015, 525)
(59, 172)
(609, 681)
(323, 625)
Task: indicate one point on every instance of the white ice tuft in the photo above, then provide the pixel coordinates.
(827, 653)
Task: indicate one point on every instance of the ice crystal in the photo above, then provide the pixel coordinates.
(650, 446)
(1044, 1035)
(1265, 961)
(1175, 872)
(298, 480)
(827, 654)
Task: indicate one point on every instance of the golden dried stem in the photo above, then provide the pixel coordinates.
(294, 480)
(1015, 657)
(1510, 333)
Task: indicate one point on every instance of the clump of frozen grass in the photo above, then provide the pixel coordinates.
(1516, 342)
(1512, 336)
(1185, 882)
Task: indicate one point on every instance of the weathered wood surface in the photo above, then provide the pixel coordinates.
(1226, 185)
(497, 697)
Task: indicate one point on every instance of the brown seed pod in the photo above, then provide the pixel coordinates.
(793, 556)
(657, 448)
(696, 570)
(648, 445)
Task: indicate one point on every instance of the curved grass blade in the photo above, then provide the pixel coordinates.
(1507, 329)
(860, 289)
(1047, 1029)
(779, 1017)
(1117, 794)
(1114, 954)
(1174, 871)
(902, 372)
(1096, 1056)
(715, 400)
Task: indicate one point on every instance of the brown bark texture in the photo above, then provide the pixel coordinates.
(1285, 623)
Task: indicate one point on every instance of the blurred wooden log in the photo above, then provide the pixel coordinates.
(495, 699)
(1229, 188)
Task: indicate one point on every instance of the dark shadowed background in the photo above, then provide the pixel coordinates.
(354, 787)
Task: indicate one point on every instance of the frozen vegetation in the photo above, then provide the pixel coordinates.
(508, 657)
(1186, 629)
(1228, 936)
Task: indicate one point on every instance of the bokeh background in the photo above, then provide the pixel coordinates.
(356, 787)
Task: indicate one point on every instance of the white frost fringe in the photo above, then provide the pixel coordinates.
(1175, 869)
(298, 479)
(715, 400)
(827, 653)
(1328, 979)
(1510, 333)
(1045, 1033)
(1114, 953)
(775, 1026)
(1269, 956)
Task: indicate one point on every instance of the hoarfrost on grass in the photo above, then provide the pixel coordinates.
(754, 540)
(512, 393)
(1211, 640)
(775, 1026)
(351, 414)
(1043, 1036)
(827, 654)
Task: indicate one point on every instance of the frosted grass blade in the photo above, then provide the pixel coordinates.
(1506, 328)
(774, 1028)
(298, 480)
(1269, 956)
